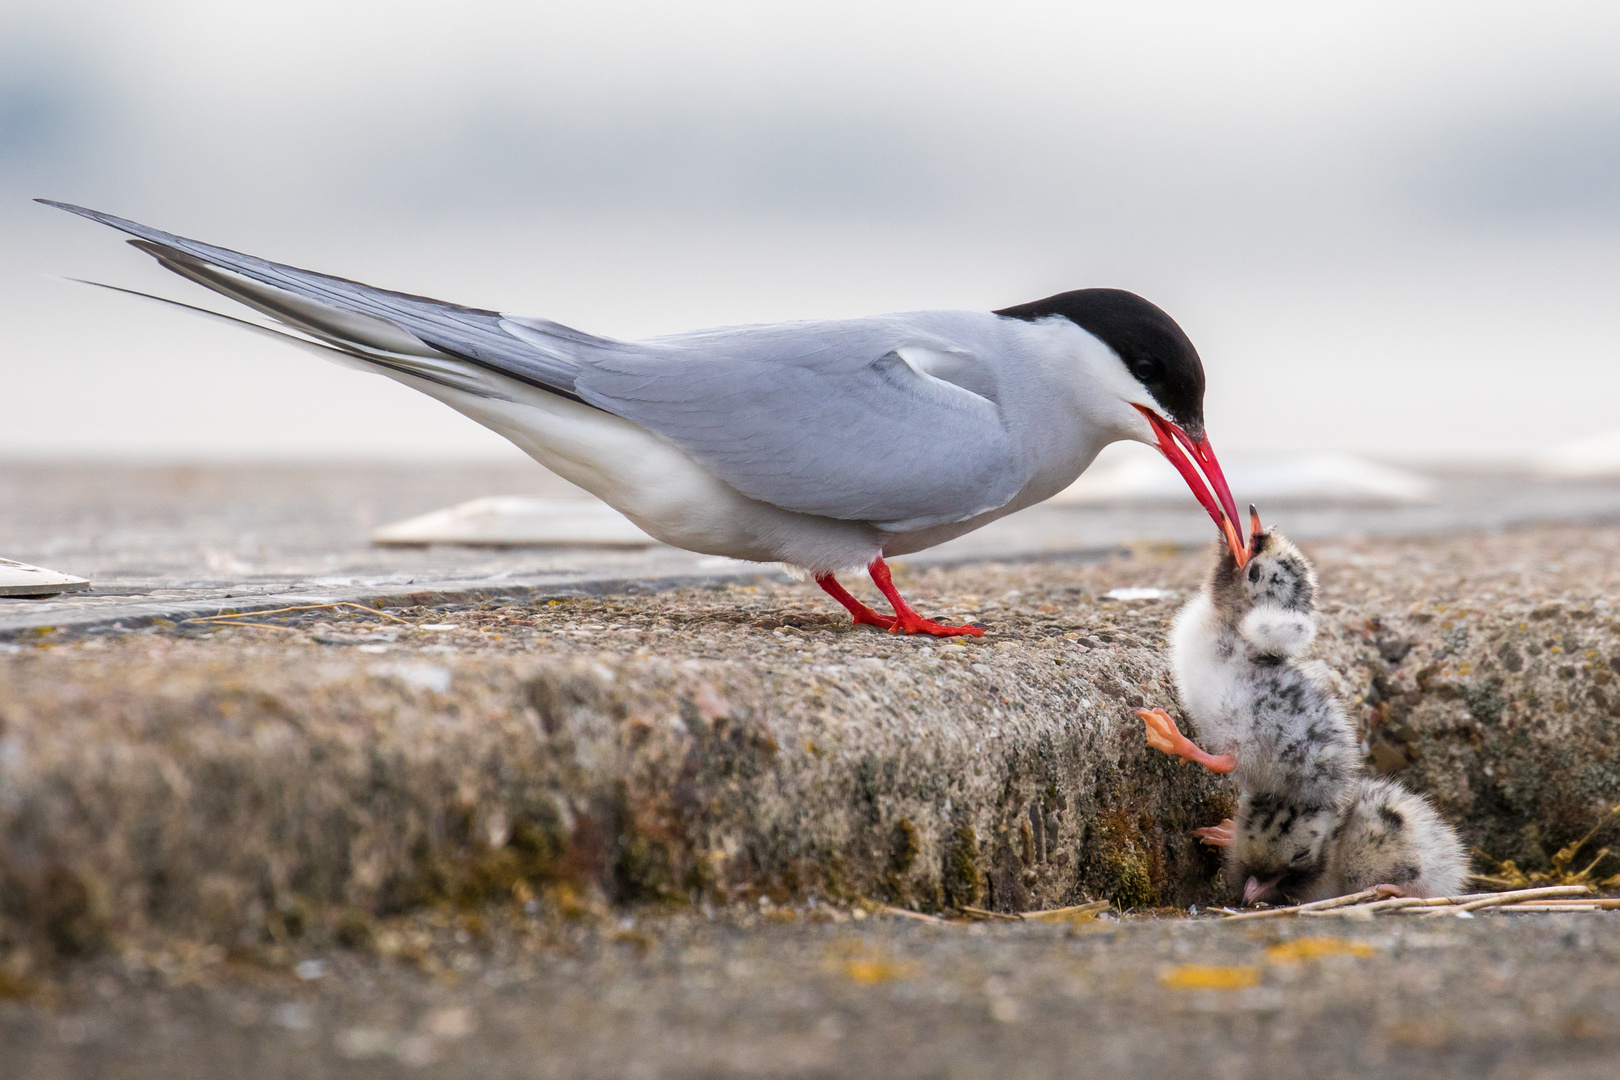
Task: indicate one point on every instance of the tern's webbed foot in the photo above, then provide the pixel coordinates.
(907, 621)
(867, 617)
(911, 623)
(1162, 734)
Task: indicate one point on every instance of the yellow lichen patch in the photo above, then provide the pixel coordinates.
(872, 972)
(865, 966)
(1202, 977)
(1315, 948)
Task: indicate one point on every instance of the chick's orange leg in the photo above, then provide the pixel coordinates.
(1217, 835)
(1162, 734)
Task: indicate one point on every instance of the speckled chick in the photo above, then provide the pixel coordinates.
(1271, 717)
(1236, 650)
(1390, 836)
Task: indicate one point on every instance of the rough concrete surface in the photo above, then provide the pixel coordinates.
(410, 801)
(786, 993)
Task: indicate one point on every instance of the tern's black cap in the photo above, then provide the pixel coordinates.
(1153, 347)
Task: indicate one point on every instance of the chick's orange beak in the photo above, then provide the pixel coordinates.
(1195, 461)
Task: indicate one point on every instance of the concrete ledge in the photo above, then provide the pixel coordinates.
(738, 740)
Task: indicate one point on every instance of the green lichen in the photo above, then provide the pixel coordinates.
(961, 880)
(1125, 862)
(644, 870)
(535, 854)
(905, 847)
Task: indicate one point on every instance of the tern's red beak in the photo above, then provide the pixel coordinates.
(1195, 461)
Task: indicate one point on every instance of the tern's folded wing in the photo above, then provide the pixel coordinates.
(870, 419)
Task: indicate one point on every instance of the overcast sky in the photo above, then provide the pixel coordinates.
(1389, 228)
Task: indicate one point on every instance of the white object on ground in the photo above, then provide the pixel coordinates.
(1595, 455)
(35, 582)
(420, 676)
(517, 521)
(1139, 592)
(1133, 473)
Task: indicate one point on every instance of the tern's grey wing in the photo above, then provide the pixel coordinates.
(839, 419)
(340, 311)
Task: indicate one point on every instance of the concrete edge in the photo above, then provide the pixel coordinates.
(138, 615)
(158, 613)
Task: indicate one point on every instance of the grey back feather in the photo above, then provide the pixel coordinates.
(827, 418)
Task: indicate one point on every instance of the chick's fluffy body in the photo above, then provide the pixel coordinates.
(1388, 835)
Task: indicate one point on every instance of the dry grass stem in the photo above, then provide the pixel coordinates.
(981, 915)
(1353, 905)
(1315, 905)
(916, 916)
(1068, 914)
(1503, 899)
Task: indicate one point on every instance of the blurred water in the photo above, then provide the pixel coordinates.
(1391, 229)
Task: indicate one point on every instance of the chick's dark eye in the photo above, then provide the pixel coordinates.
(1254, 572)
(1301, 855)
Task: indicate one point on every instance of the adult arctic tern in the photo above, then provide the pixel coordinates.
(819, 444)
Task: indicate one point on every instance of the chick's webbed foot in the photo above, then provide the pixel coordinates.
(1162, 734)
(1217, 835)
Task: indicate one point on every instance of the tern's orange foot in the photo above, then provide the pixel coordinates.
(1217, 835)
(1162, 734)
(915, 624)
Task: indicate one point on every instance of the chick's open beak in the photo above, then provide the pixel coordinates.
(1255, 890)
(1195, 461)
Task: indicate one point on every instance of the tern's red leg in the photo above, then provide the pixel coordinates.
(1217, 835)
(907, 621)
(1162, 734)
(859, 613)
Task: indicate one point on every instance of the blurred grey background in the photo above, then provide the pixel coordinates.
(1391, 228)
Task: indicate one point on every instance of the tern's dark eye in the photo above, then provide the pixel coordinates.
(1148, 371)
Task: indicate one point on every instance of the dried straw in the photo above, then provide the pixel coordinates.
(1356, 905)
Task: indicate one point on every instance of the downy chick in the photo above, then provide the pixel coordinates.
(1272, 719)
(1392, 837)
